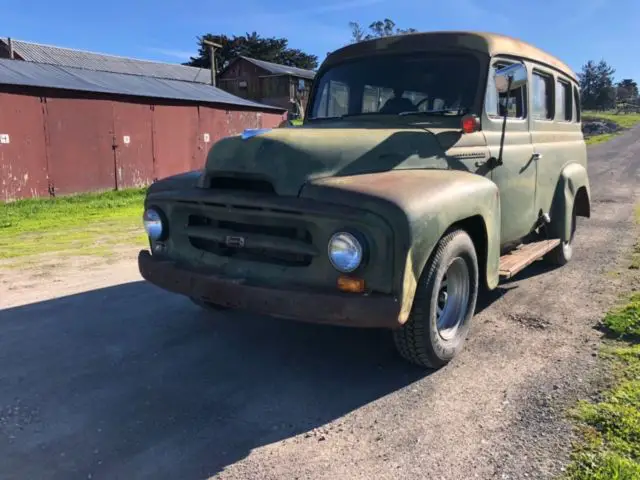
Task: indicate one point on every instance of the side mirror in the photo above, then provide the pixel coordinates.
(510, 78)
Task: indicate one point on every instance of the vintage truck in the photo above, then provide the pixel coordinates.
(429, 166)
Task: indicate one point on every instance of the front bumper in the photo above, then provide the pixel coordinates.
(373, 311)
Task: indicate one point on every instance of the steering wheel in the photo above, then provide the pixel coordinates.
(421, 102)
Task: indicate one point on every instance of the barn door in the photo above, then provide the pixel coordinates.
(132, 144)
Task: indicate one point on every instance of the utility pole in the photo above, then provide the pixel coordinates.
(212, 51)
(10, 43)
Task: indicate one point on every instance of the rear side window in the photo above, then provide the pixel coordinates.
(576, 103)
(564, 101)
(542, 95)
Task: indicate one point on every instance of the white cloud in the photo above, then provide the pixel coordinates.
(333, 7)
(586, 10)
(171, 52)
(474, 9)
(261, 17)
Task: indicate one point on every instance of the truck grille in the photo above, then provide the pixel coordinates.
(267, 243)
(256, 185)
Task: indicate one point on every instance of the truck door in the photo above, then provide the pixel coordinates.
(516, 177)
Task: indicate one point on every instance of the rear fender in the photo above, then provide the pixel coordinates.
(572, 188)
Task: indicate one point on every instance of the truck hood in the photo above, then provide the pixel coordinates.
(288, 158)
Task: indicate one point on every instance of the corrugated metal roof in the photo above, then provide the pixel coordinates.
(278, 69)
(68, 57)
(18, 72)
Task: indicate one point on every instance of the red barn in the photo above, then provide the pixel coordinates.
(73, 121)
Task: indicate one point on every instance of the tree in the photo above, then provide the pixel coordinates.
(377, 29)
(270, 49)
(596, 85)
(627, 91)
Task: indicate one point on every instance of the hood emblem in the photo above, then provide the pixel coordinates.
(253, 132)
(234, 242)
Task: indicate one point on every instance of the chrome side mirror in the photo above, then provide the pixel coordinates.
(510, 78)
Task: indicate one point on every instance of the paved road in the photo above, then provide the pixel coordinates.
(126, 381)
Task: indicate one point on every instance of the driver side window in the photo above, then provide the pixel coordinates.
(515, 102)
(334, 100)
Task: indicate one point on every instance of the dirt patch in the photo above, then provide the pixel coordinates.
(528, 320)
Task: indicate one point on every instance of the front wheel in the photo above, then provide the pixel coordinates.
(444, 304)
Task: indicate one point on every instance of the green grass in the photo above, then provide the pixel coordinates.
(609, 448)
(605, 137)
(625, 120)
(79, 223)
(610, 428)
(624, 322)
(635, 255)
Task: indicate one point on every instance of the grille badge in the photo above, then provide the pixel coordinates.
(234, 241)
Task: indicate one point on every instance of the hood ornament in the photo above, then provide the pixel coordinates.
(252, 132)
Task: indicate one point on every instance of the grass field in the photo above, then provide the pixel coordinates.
(625, 120)
(84, 224)
(610, 428)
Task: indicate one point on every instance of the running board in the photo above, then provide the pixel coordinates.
(517, 260)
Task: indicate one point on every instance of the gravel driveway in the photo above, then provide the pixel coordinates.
(105, 376)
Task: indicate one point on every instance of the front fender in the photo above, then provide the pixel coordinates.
(421, 206)
(572, 188)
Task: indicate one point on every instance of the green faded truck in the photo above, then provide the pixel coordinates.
(428, 167)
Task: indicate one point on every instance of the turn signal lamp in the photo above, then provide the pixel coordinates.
(350, 284)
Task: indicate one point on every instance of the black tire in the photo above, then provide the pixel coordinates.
(212, 307)
(563, 253)
(419, 340)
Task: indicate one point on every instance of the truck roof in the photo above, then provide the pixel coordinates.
(489, 43)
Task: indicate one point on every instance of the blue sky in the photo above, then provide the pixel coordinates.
(166, 30)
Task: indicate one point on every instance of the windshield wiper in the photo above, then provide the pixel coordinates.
(345, 115)
(361, 114)
(455, 111)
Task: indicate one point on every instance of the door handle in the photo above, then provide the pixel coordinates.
(537, 156)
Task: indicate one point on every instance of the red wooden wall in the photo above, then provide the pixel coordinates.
(52, 145)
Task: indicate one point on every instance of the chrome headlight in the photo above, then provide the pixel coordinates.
(345, 252)
(153, 224)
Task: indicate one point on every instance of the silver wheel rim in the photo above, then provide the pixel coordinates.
(453, 299)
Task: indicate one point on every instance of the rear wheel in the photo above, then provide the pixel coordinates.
(562, 254)
(444, 303)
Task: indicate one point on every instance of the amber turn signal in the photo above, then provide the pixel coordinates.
(351, 285)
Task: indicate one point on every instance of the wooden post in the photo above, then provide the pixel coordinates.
(212, 52)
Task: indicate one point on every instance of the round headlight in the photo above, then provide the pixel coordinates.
(153, 223)
(345, 252)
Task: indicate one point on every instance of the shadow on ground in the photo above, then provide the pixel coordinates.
(130, 382)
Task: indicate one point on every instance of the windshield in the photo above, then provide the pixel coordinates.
(398, 85)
